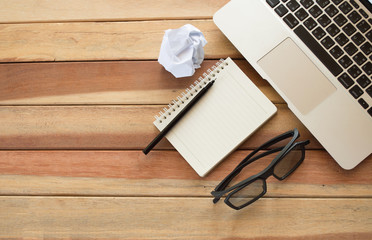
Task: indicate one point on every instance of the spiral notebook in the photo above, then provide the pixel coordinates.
(231, 110)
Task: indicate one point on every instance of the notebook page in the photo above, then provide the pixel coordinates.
(224, 117)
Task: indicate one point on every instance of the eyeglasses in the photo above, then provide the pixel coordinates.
(245, 192)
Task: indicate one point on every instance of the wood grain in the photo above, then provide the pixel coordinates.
(79, 87)
(32, 185)
(165, 173)
(109, 127)
(318, 167)
(122, 82)
(97, 41)
(18, 11)
(183, 218)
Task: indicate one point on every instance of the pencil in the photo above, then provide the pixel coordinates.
(177, 118)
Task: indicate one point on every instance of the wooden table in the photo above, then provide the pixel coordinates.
(79, 86)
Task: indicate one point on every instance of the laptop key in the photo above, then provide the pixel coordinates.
(290, 20)
(349, 29)
(363, 81)
(354, 4)
(354, 16)
(272, 3)
(359, 58)
(319, 33)
(336, 52)
(358, 38)
(363, 26)
(323, 3)
(370, 111)
(356, 92)
(281, 10)
(350, 49)
(337, 1)
(293, 5)
(333, 29)
(345, 80)
(367, 68)
(318, 50)
(340, 20)
(310, 23)
(345, 61)
(315, 11)
(306, 3)
(369, 36)
(363, 103)
(331, 10)
(364, 14)
(341, 39)
(327, 42)
(369, 91)
(354, 71)
(324, 20)
(366, 48)
(301, 14)
(345, 7)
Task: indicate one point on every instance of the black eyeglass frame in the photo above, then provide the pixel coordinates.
(264, 174)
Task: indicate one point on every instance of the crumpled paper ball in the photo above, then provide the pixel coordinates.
(181, 51)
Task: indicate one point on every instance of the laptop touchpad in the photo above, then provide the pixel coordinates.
(296, 76)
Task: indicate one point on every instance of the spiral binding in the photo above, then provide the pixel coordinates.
(191, 91)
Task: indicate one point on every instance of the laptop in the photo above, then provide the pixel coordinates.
(317, 55)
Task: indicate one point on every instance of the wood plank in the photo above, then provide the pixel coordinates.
(108, 127)
(122, 82)
(116, 194)
(171, 218)
(27, 185)
(100, 41)
(165, 173)
(318, 167)
(18, 11)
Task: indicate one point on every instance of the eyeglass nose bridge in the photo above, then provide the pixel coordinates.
(267, 172)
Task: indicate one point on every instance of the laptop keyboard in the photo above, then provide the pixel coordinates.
(339, 33)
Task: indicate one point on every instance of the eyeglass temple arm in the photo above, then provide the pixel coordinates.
(247, 159)
(269, 143)
(235, 172)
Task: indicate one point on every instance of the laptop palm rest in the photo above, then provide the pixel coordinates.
(302, 83)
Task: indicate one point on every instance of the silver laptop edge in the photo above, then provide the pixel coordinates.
(279, 56)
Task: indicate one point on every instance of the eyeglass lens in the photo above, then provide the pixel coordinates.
(251, 169)
(289, 162)
(285, 166)
(247, 193)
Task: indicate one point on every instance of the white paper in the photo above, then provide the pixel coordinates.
(181, 51)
